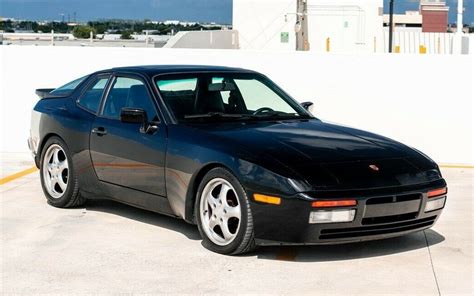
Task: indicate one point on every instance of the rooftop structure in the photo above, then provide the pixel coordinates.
(332, 25)
(409, 19)
(435, 15)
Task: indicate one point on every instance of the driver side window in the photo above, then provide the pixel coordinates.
(131, 93)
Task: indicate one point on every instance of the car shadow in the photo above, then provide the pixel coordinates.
(350, 251)
(320, 253)
(144, 216)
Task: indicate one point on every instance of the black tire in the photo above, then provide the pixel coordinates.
(71, 196)
(244, 241)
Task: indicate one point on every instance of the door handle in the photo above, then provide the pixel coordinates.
(100, 131)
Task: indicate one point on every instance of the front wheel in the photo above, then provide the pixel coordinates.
(223, 214)
(58, 178)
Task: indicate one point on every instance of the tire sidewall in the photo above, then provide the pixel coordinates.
(66, 197)
(243, 201)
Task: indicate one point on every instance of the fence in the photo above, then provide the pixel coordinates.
(414, 42)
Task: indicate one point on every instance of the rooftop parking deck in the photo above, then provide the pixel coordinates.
(107, 247)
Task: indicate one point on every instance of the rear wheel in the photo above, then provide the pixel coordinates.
(223, 214)
(58, 178)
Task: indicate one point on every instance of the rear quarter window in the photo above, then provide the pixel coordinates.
(90, 99)
(69, 87)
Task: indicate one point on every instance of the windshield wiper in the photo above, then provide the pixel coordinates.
(216, 115)
(279, 114)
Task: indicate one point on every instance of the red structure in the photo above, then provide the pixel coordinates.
(435, 16)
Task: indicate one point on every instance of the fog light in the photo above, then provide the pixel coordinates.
(333, 216)
(435, 204)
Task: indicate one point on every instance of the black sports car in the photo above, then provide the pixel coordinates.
(230, 151)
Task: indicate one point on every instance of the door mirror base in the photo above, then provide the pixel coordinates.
(149, 128)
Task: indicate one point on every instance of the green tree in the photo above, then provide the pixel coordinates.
(126, 35)
(83, 31)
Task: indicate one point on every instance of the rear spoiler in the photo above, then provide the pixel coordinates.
(46, 93)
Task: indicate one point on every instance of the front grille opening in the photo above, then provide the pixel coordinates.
(389, 219)
(408, 197)
(337, 233)
(392, 199)
(379, 200)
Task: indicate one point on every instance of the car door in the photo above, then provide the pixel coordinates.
(122, 153)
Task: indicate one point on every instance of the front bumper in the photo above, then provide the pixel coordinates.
(378, 216)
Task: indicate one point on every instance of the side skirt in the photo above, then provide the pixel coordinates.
(138, 199)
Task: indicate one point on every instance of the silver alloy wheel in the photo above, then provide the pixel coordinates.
(55, 171)
(220, 211)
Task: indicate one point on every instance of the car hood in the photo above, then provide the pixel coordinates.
(328, 155)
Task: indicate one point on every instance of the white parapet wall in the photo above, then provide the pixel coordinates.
(425, 101)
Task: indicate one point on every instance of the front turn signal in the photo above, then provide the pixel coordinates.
(274, 200)
(437, 192)
(334, 203)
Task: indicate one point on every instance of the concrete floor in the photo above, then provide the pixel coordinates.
(107, 247)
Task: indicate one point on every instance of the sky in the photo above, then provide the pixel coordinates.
(219, 11)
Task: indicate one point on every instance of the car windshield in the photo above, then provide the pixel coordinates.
(225, 96)
(68, 87)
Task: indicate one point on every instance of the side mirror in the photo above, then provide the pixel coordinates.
(137, 115)
(133, 115)
(308, 106)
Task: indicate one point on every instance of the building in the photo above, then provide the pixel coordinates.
(409, 21)
(432, 16)
(332, 25)
(435, 15)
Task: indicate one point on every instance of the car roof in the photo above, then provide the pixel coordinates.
(152, 70)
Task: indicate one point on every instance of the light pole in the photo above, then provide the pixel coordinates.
(459, 21)
(390, 28)
(301, 26)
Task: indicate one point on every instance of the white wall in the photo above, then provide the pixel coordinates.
(260, 23)
(351, 25)
(412, 98)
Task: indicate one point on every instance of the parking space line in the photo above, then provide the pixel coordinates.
(18, 175)
(456, 166)
(431, 261)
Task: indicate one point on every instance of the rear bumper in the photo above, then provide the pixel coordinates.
(33, 148)
(377, 217)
